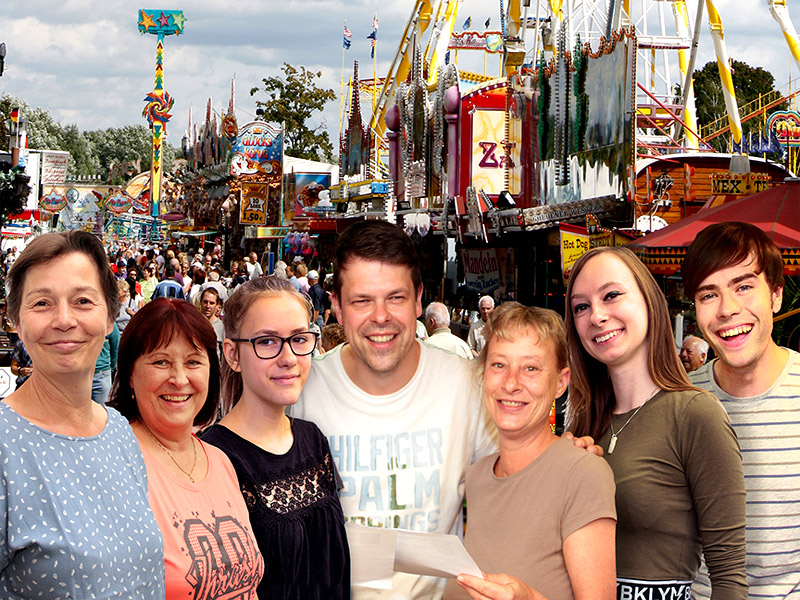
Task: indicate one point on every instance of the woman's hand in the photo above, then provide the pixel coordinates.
(497, 587)
(586, 442)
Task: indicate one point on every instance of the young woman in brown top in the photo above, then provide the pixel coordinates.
(676, 460)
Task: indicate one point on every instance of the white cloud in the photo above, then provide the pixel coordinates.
(85, 61)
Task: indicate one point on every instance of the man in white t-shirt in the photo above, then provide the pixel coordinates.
(403, 419)
(734, 274)
(475, 337)
(254, 270)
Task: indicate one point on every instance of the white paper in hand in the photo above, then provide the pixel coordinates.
(372, 551)
(436, 554)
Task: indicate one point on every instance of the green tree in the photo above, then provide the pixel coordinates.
(91, 152)
(748, 84)
(118, 145)
(292, 99)
(44, 133)
(83, 161)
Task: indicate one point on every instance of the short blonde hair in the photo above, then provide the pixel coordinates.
(512, 318)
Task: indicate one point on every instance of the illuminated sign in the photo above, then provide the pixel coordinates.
(257, 149)
(739, 184)
(118, 203)
(53, 202)
(786, 126)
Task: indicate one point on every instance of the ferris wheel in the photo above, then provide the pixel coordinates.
(667, 33)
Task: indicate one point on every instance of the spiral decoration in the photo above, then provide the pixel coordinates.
(158, 107)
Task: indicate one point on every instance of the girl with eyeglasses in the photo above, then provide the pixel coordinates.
(285, 468)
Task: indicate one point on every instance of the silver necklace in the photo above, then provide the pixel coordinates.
(172, 458)
(615, 434)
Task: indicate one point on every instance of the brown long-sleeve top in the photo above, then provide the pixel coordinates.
(680, 491)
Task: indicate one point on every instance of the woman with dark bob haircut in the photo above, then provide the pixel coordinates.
(166, 385)
(154, 329)
(74, 511)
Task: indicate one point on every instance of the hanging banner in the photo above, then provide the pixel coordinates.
(54, 167)
(53, 202)
(481, 269)
(253, 204)
(575, 241)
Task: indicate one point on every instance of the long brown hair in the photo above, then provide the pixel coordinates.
(591, 395)
(236, 307)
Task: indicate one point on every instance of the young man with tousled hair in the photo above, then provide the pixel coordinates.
(734, 274)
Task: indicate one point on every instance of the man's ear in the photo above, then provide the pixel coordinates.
(777, 300)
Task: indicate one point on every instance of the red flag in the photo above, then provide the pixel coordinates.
(15, 114)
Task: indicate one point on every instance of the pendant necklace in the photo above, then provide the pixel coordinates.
(194, 454)
(615, 434)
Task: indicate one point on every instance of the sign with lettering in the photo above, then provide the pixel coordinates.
(118, 202)
(257, 149)
(575, 241)
(53, 202)
(253, 204)
(481, 269)
(488, 153)
(786, 126)
(739, 184)
(54, 167)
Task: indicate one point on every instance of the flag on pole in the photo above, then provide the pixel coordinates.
(14, 114)
(467, 24)
(488, 22)
(346, 38)
(373, 37)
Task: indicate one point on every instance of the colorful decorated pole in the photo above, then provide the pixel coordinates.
(159, 102)
(715, 23)
(780, 12)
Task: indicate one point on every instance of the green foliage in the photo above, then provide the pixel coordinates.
(91, 152)
(292, 99)
(786, 332)
(14, 191)
(748, 84)
(124, 144)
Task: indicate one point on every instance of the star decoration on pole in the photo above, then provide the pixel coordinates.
(146, 21)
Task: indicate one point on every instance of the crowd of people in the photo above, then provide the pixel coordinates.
(251, 416)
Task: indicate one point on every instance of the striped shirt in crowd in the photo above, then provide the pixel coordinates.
(768, 428)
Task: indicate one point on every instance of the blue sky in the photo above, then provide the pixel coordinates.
(85, 61)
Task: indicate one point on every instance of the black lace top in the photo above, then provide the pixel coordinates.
(295, 513)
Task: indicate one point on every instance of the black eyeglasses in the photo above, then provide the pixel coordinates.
(270, 346)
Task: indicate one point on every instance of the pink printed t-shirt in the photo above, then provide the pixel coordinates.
(209, 548)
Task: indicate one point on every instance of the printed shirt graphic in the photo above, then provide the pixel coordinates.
(209, 549)
(402, 457)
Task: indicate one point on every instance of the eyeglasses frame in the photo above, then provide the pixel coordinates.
(284, 341)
